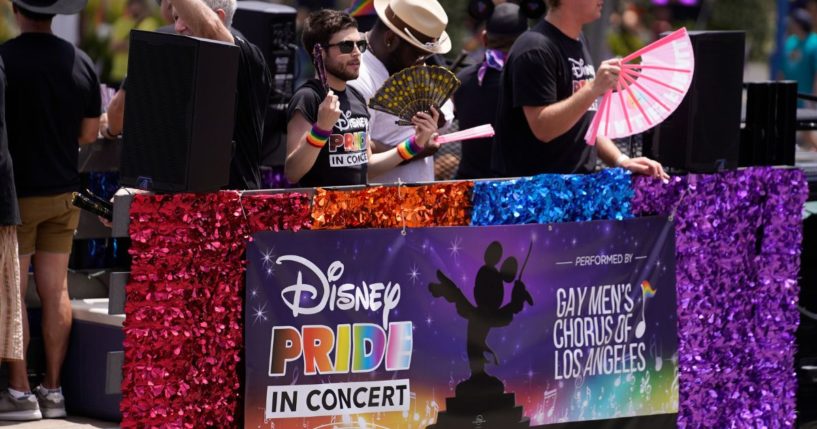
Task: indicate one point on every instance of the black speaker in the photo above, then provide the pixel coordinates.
(179, 113)
(768, 137)
(703, 134)
(271, 27)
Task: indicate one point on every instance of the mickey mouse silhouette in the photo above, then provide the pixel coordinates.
(488, 294)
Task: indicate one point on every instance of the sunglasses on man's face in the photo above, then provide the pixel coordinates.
(347, 46)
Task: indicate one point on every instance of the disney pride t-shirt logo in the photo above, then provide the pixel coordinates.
(350, 142)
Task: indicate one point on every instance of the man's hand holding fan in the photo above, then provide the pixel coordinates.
(414, 89)
(415, 94)
(641, 95)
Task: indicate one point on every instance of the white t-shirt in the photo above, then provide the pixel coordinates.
(382, 126)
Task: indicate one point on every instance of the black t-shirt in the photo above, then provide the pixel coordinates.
(344, 159)
(252, 100)
(51, 87)
(543, 67)
(476, 105)
(9, 214)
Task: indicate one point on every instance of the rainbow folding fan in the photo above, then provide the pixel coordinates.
(413, 90)
(647, 92)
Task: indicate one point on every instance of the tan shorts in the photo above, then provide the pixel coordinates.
(48, 224)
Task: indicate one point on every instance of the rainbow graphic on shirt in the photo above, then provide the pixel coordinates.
(361, 8)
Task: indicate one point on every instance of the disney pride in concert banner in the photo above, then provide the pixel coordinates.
(479, 327)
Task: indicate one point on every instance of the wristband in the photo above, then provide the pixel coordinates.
(106, 133)
(621, 159)
(409, 148)
(317, 137)
(416, 148)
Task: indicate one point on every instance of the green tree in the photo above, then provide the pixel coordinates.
(457, 11)
(753, 16)
(8, 27)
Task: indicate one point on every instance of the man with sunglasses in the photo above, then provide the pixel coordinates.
(407, 33)
(328, 140)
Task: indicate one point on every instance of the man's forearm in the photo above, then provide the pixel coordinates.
(300, 160)
(550, 122)
(608, 151)
(116, 113)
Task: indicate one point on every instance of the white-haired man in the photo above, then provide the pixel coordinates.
(211, 19)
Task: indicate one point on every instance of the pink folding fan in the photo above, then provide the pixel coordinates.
(646, 92)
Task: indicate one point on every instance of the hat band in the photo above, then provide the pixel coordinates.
(428, 41)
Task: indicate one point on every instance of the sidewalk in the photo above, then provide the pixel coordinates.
(69, 423)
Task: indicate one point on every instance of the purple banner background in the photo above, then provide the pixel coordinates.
(525, 347)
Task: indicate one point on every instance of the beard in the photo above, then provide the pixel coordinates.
(341, 71)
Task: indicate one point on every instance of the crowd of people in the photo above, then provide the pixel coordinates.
(537, 86)
(800, 61)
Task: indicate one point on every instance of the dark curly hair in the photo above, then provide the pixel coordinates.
(320, 25)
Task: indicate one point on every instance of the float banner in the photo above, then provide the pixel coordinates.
(477, 327)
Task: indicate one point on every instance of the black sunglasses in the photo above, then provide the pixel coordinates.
(347, 46)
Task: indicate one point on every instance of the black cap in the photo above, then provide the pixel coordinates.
(506, 20)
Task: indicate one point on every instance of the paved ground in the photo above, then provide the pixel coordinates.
(70, 423)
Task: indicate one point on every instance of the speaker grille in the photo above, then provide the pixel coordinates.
(159, 108)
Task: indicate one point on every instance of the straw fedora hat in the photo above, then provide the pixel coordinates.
(419, 22)
(52, 7)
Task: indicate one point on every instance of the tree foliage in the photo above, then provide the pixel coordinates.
(752, 16)
(457, 11)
